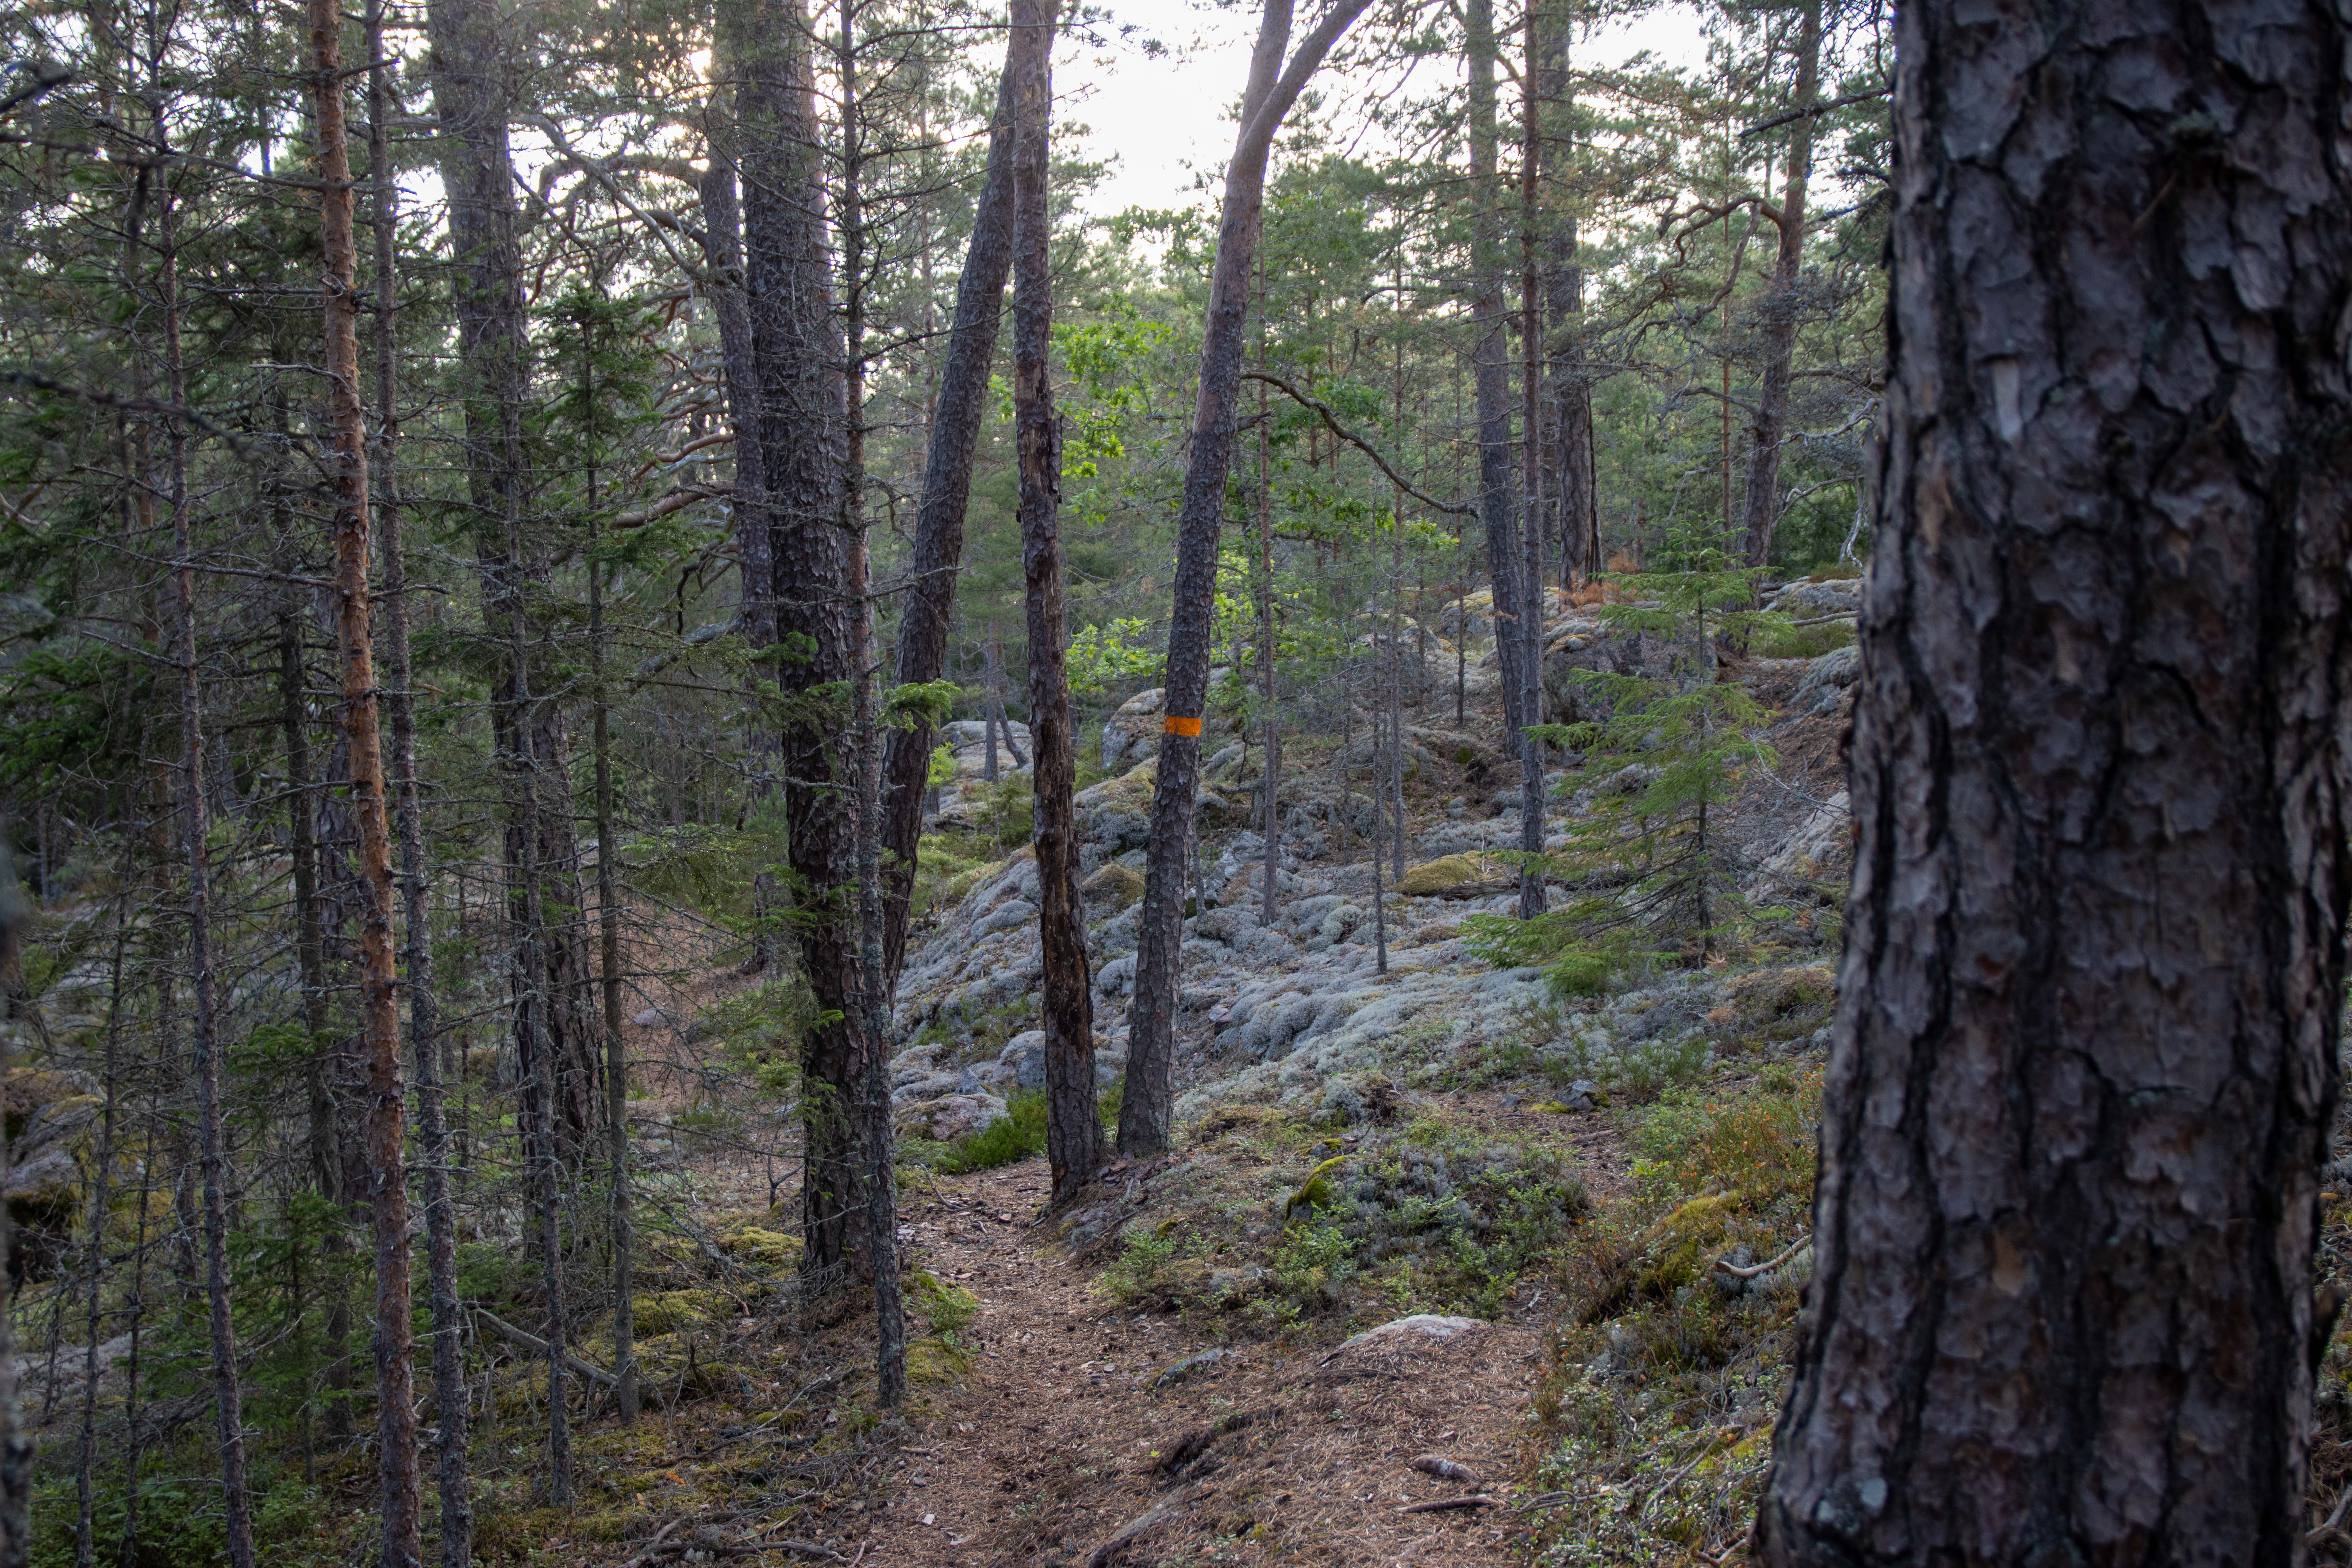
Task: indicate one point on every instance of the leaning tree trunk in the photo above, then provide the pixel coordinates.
(449, 1399)
(799, 410)
(1771, 425)
(384, 1122)
(1073, 1141)
(961, 403)
(2085, 1054)
(1148, 1102)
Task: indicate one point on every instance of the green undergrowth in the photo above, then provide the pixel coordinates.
(1271, 1226)
(1019, 1135)
(1666, 1372)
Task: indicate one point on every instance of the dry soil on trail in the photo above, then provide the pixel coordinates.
(1056, 1440)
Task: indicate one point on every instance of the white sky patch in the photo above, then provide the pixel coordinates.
(1165, 120)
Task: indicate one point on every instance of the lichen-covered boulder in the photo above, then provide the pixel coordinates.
(949, 1116)
(1132, 734)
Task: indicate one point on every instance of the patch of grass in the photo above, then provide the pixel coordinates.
(1770, 640)
(1666, 1380)
(1019, 1135)
(1760, 1145)
(1144, 1271)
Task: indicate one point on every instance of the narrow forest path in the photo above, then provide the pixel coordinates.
(1054, 1439)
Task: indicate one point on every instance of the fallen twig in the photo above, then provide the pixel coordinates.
(1737, 1272)
(1439, 1505)
(532, 1342)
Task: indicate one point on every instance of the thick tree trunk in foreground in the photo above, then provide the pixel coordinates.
(1148, 1102)
(2086, 1053)
(800, 412)
(1073, 1141)
(1770, 426)
(960, 404)
(384, 1120)
(449, 1403)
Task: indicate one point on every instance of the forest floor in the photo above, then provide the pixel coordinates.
(1055, 1441)
(1074, 1416)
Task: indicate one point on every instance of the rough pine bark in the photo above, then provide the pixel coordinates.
(384, 1122)
(2086, 1052)
(1770, 424)
(470, 89)
(1491, 374)
(1073, 1141)
(1568, 367)
(798, 408)
(1147, 1101)
(959, 404)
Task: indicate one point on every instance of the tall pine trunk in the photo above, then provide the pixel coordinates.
(1149, 1100)
(960, 402)
(1491, 379)
(1770, 426)
(1074, 1141)
(2085, 1056)
(449, 1403)
(875, 1134)
(802, 422)
(1567, 366)
(384, 1120)
(228, 1399)
(1531, 511)
(755, 573)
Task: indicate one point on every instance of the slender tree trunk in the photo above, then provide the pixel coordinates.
(1497, 511)
(1073, 1141)
(608, 928)
(16, 1442)
(960, 402)
(450, 1402)
(1531, 512)
(994, 723)
(102, 1200)
(1771, 425)
(1396, 609)
(324, 1142)
(228, 1404)
(1149, 1101)
(1270, 907)
(1569, 362)
(880, 1174)
(536, 1121)
(379, 1002)
(802, 439)
(755, 573)
(2085, 1058)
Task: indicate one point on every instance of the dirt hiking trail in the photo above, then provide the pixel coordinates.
(1055, 1447)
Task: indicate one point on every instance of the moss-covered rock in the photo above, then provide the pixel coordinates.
(1115, 886)
(770, 1251)
(662, 1312)
(1681, 1247)
(1439, 876)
